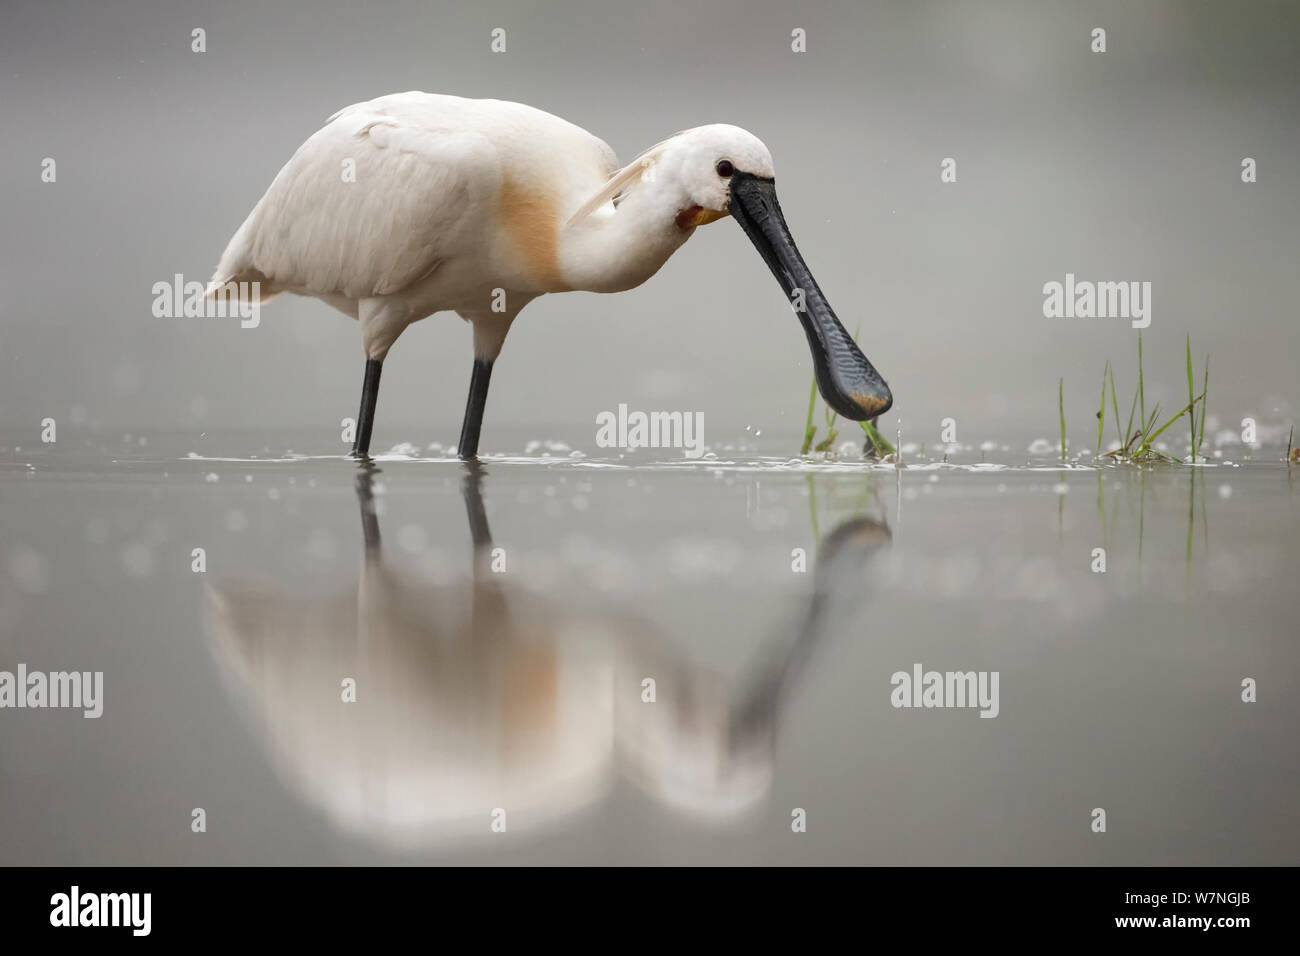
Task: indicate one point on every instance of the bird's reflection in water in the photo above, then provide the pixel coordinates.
(487, 695)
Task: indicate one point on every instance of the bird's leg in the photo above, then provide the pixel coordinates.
(366, 417)
(478, 389)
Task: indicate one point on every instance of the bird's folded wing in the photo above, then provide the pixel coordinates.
(367, 206)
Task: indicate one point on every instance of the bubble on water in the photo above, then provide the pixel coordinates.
(1060, 488)
(211, 478)
(988, 446)
(248, 479)
(576, 454)
(933, 478)
(1225, 491)
(1042, 446)
(405, 448)
(30, 571)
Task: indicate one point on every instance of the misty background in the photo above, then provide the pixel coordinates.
(1122, 166)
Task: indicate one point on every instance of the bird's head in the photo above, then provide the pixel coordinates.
(701, 164)
(718, 170)
(704, 174)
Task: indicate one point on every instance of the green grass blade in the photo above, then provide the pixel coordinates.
(1187, 408)
(809, 429)
(1205, 391)
(1115, 407)
(1191, 392)
(1142, 395)
(1128, 429)
(877, 440)
(1101, 412)
(1146, 429)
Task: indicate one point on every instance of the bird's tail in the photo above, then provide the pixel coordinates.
(237, 280)
(249, 287)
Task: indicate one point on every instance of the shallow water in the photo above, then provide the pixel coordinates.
(499, 626)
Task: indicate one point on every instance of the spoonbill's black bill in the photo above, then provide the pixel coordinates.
(480, 206)
(847, 380)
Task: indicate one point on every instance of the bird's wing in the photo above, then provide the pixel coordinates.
(368, 205)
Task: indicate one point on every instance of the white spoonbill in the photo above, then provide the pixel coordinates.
(416, 203)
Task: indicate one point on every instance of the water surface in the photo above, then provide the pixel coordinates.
(499, 625)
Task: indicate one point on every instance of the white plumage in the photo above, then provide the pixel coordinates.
(391, 212)
(416, 203)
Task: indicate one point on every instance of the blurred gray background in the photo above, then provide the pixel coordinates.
(1115, 166)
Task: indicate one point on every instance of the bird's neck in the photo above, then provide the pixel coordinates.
(614, 249)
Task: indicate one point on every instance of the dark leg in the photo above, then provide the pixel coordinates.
(366, 418)
(478, 389)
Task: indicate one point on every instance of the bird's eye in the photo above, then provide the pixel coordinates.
(725, 168)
